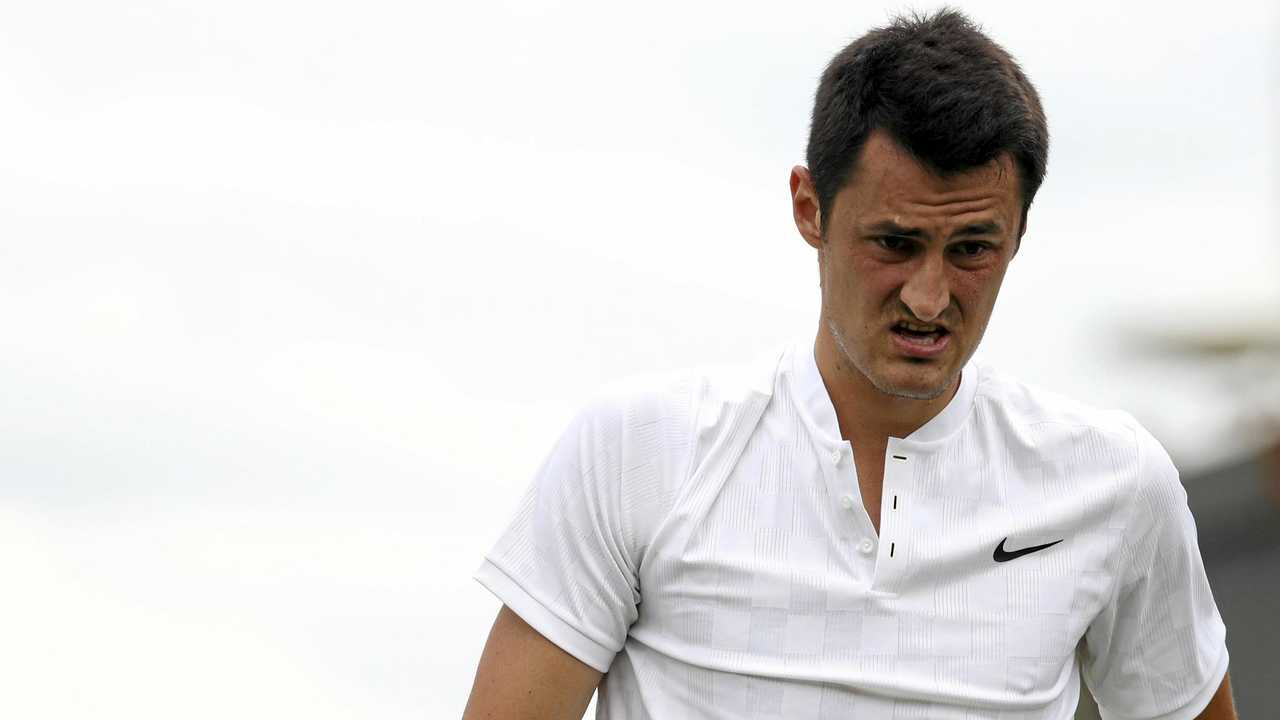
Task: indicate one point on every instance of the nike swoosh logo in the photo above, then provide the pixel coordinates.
(1002, 555)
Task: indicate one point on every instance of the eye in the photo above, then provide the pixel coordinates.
(971, 249)
(893, 243)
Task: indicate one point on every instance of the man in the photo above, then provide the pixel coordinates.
(866, 524)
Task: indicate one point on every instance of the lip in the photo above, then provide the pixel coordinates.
(910, 347)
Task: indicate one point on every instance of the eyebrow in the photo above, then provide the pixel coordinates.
(888, 227)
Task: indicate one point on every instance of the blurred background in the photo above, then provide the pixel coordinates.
(295, 297)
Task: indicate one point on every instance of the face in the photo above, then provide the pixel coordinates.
(903, 245)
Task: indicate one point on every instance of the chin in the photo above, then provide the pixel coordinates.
(918, 382)
(893, 374)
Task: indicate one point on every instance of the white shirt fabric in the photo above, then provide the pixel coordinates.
(701, 538)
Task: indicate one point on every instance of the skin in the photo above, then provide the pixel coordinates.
(524, 676)
(903, 243)
(944, 273)
(1221, 706)
(873, 276)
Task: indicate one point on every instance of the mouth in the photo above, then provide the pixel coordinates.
(920, 339)
(924, 332)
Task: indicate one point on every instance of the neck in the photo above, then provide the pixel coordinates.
(862, 410)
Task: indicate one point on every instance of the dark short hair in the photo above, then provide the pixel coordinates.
(943, 90)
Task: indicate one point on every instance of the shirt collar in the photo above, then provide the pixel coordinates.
(819, 413)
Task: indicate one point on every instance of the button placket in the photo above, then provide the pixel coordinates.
(889, 568)
(897, 463)
(830, 472)
(842, 478)
(847, 500)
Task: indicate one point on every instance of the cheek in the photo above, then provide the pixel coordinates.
(857, 286)
(874, 281)
(976, 291)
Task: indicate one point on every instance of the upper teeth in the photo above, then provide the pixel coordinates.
(919, 328)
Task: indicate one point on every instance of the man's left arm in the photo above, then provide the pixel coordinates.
(1157, 644)
(1221, 706)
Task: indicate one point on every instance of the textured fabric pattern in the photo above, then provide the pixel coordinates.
(701, 537)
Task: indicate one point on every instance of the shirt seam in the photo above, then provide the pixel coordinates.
(623, 525)
(1117, 581)
(695, 406)
(1119, 577)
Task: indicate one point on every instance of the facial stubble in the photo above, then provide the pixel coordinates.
(852, 361)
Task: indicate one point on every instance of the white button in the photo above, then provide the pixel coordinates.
(836, 456)
(846, 502)
(866, 545)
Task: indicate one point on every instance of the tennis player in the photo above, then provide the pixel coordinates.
(866, 523)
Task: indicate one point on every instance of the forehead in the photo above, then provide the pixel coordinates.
(889, 185)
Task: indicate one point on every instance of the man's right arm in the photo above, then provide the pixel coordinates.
(567, 567)
(524, 676)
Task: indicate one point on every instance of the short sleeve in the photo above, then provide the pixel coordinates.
(569, 562)
(1158, 649)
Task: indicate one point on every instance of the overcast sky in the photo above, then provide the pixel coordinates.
(295, 296)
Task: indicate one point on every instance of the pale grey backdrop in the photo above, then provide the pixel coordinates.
(294, 296)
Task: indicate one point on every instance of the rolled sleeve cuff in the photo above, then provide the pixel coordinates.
(1194, 706)
(547, 623)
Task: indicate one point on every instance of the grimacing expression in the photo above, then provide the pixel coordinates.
(905, 244)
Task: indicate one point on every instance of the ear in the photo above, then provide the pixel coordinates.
(804, 206)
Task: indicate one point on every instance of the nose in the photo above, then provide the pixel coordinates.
(926, 292)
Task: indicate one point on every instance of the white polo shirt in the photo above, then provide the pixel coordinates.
(701, 538)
